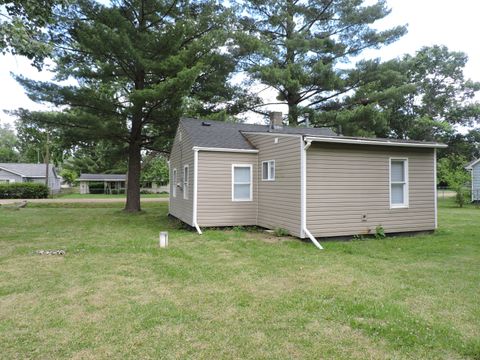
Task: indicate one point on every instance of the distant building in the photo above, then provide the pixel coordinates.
(112, 183)
(23, 172)
(474, 168)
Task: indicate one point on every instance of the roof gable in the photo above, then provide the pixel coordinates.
(216, 134)
(28, 170)
(472, 163)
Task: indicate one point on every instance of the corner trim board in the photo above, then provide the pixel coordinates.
(195, 192)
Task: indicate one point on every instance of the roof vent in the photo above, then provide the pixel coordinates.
(204, 123)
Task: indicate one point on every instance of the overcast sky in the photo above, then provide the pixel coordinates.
(430, 22)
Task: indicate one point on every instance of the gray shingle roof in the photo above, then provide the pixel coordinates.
(102, 177)
(29, 170)
(229, 135)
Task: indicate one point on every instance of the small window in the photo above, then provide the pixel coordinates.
(4, 181)
(174, 182)
(241, 182)
(398, 183)
(185, 182)
(268, 170)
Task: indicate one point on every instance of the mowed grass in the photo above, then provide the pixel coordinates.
(232, 294)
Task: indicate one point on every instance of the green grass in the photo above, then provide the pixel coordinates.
(232, 294)
(105, 196)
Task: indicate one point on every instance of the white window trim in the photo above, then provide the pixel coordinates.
(233, 182)
(186, 184)
(174, 182)
(7, 181)
(268, 170)
(406, 195)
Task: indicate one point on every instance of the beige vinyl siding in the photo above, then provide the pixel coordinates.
(279, 200)
(214, 190)
(344, 182)
(181, 155)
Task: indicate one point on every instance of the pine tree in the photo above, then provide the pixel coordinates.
(296, 47)
(134, 63)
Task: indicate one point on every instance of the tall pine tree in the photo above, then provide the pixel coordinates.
(296, 47)
(134, 63)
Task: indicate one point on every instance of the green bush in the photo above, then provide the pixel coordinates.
(96, 188)
(280, 232)
(460, 196)
(23, 191)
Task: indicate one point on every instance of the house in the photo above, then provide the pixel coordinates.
(102, 183)
(474, 168)
(308, 181)
(23, 172)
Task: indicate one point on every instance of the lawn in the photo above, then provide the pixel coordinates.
(232, 294)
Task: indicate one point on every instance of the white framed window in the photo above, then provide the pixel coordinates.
(241, 182)
(185, 182)
(398, 183)
(268, 170)
(174, 182)
(6, 181)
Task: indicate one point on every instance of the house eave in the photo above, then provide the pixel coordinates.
(11, 171)
(340, 140)
(215, 149)
(470, 166)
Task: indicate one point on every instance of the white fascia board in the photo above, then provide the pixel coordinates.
(373, 142)
(200, 148)
(470, 167)
(11, 171)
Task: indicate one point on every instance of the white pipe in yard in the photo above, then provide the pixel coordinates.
(312, 238)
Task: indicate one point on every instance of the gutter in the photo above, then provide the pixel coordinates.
(303, 190)
(339, 140)
(195, 185)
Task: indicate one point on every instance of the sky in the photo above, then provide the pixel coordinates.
(430, 22)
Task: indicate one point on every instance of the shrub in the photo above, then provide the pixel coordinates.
(461, 196)
(379, 232)
(23, 191)
(280, 232)
(96, 188)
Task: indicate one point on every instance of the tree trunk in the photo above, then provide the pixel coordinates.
(133, 177)
(292, 114)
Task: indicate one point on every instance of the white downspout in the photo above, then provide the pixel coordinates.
(303, 187)
(195, 183)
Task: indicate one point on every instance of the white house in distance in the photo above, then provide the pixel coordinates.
(115, 183)
(308, 181)
(112, 183)
(474, 168)
(24, 172)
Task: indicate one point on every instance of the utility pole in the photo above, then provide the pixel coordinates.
(47, 159)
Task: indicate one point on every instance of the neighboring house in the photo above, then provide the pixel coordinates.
(154, 188)
(22, 172)
(112, 183)
(308, 181)
(474, 168)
